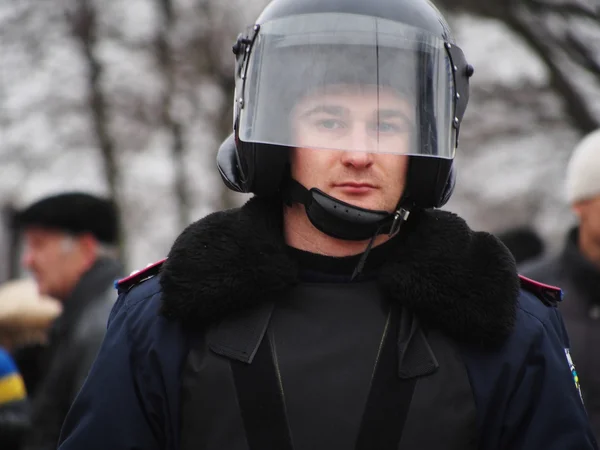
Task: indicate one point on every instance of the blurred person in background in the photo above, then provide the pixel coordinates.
(523, 242)
(577, 270)
(70, 248)
(14, 407)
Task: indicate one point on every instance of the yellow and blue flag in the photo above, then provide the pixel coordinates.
(12, 387)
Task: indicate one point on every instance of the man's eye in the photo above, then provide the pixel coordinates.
(329, 124)
(390, 127)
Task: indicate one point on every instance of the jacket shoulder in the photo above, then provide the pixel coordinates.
(546, 293)
(538, 311)
(143, 297)
(534, 319)
(540, 301)
(140, 358)
(528, 381)
(139, 276)
(136, 322)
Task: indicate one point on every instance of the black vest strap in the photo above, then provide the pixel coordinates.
(389, 398)
(261, 400)
(262, 404)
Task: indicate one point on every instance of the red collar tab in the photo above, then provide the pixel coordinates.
(550, 295)
(138, 276)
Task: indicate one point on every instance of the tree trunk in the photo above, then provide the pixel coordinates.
(83, 24)
(164, 55)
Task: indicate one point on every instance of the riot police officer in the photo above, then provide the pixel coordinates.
(338, 308)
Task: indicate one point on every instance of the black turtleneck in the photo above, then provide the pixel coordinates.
(314, 267)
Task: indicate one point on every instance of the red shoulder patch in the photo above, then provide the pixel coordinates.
(546, 293)
(139, 275)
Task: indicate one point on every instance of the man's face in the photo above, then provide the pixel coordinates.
(373, 126)
(55, 259)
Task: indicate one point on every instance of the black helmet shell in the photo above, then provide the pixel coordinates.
(262, 168)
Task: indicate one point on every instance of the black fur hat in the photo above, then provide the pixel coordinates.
(75, 213)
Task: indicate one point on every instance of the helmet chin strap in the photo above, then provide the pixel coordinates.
(342, 220)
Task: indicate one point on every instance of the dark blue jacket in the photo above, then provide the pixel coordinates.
(524, 388)
(580, 281)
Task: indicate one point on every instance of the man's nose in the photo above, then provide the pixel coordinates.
(359, 149)
(356, 159)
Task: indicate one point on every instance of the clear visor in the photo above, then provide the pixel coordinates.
(348, 82)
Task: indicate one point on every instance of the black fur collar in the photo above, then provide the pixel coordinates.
(462, 282)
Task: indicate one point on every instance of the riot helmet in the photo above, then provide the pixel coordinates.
(302, 53)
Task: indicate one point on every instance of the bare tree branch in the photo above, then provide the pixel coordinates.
(527, 19)
(219, 70)
(118, 35)
(585, 56)
(164, 55)
(579, 111)
(522, 107)
(577, 51)
(220, 73)
(563, 8)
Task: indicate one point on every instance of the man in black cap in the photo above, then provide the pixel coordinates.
(70, 247)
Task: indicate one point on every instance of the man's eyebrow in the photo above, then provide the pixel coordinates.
(390, 113)
(333, 110)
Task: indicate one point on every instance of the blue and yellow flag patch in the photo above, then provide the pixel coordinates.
(12, 387)
(573, 372)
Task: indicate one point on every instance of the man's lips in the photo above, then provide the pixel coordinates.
(355, 184)
(352, 187)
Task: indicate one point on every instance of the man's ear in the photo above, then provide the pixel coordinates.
(88, 246)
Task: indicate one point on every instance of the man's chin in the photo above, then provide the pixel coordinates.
(42, 289)
(371, 204)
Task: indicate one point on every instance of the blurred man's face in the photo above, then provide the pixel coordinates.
(55, 259)
(589, 218)
(588, 212)
(356, 120)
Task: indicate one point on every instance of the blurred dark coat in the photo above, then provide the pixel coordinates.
(75, 338)
(580, 282)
